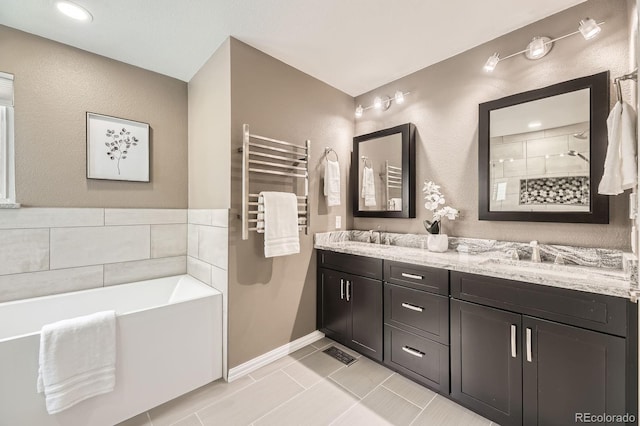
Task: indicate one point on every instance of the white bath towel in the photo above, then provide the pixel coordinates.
(620, 170)
(280, 223)
(77, 359)
(368, 187)
(332, 183)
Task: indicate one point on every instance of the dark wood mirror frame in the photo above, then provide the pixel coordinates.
(599, 110)
(408, 132)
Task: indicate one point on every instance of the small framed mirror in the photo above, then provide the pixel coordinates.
(383, 173)
(541, 153)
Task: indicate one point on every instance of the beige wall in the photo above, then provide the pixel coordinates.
(55, 85)
(443, 105)
(273, 301)
(210, 133)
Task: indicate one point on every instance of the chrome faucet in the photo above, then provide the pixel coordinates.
(374, 236)
(535, 252)
(513, 254)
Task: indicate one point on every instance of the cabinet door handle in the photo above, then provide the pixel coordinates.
(412, 351)
(514, 354)
(348, 290)
(341, 289)
(415, 277)
(412, 307)
(528, 333)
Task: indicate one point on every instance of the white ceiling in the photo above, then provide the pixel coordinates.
(353, 45)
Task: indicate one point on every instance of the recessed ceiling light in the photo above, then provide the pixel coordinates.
(534, 124)
(74, 11)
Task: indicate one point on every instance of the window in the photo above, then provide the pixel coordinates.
(7, 168)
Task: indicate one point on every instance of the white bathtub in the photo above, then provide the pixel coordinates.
(169, 341)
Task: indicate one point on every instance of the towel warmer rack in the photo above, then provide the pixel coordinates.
(393, 178)
(631, 76)
(267, 156)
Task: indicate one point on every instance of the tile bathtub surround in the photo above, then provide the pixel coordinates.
(311, 388)
(478, 259)
(582, 256)
(55, 250)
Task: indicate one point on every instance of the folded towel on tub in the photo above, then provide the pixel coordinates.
(77, 359)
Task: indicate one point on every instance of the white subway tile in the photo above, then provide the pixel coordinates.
(219, 279)
(168, 240)
(507, 151)
(144, 216)
(24, 250)
(34, 284)
(199, 269)
(140, 270)
(547, 146)
(220, 218)
(35, 217)
(523, 136)
(192, 240)
(200, 216)
(213, 245)
(93, 246)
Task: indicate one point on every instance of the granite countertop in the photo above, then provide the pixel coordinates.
(610, 281)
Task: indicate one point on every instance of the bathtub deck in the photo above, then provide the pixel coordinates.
(309, 387)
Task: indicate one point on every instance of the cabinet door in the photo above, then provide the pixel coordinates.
(365, 298)
(486, 361)
(335, 310)
(568, 370)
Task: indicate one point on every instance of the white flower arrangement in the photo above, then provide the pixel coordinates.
(433, 200)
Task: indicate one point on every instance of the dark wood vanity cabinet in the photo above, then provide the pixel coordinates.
(517, 369)
(350, 302)
(416, 323)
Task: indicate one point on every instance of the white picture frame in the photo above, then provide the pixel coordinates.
(117, 149)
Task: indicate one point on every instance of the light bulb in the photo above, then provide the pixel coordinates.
(359, 111)
(491, 63)
(74, 11)
(589, 28)
(377, 102)
(536, 48)
(399, 96)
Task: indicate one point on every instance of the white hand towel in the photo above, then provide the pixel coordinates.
(368, 187)
(332, 183)
(280, 224)
(629, 166)
(621, 130)
(77, 359)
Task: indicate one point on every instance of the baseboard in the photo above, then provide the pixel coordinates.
(264, 359)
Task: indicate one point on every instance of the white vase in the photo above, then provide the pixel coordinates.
(438, 242)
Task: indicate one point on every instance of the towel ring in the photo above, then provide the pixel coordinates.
(329, 150)
(365, 159)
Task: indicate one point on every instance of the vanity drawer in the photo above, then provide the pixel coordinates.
(422, 359)
(434, 280)
(422, 313)
(587, 310)
(358, 265)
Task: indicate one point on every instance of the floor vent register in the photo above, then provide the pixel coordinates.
(341, 356)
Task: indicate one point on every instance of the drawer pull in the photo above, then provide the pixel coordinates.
(528, 333)
(412, 307)
(412, 276)
(513, 341)
(412, 351)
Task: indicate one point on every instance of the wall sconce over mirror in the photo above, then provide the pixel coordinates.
(382, 102)
(540, 46)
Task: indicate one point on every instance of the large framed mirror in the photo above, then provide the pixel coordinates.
(541, 153)
(383, 173)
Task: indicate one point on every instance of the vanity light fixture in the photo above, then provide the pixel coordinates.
(74, 11)
(382, 102)
(540, 46)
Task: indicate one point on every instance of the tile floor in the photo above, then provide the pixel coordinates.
(308, 388)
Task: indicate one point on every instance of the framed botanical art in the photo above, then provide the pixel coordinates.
(117, 149)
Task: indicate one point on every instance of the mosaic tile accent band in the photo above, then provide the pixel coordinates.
(571, 190)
